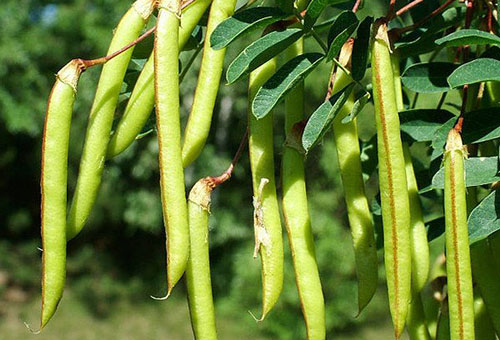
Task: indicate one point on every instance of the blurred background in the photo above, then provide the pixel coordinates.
(118, 260)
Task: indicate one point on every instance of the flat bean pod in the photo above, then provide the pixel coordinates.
(199, 286)
(200, 118)
(54, 186)
(297, 220)
(173, 194)
(358, 211)
(487, 278)
(392, 179)
(101, 116)
(458, 264)
(141, 102)
(267, 222)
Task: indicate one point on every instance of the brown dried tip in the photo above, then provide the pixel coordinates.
(380, 31)
(173, 6)
(70, 73)
(345, 55)
(454, 141)
(145, 7)
(201, 192)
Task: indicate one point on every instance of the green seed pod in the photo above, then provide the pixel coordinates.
(201, 305)
(101, 115)
(173, 194)
(417, 326)
(200, 119)
(296, 216)
(141, 102)
(392, 178)
(487, 278)
(54, 186)
(267, 223)
(458, 265)
(358, 211)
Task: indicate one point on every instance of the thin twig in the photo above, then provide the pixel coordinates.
(215, 181)
(356, 6)
(409, 6)
(425, 19)
(392, 10)
(102, 60)
(465, 54)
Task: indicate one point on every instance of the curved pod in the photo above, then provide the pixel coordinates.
(458, 265)
(297, 220)
(173, 194)
(269, 239)
(141, 102)
(53, 186)
(200, 119)
(101, 116)
(392, 179)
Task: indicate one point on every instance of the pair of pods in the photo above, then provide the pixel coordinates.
(171, 160)
(416, 322)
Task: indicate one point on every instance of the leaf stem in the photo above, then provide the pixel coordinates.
(425, 19)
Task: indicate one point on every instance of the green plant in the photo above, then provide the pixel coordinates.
(408, 210)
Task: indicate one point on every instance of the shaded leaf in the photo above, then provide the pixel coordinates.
(484, 220)
(478, 171)
(360, 49)
(439, 140)
(321, 119)
(435, 228)
(428, 77)
(422, 124)
(343, 26)
(475, 71)
(468, 37)
(283, 81)
(244, 22)
(358, 106)
(449, 18)
(369, 157)
(314, 10)
(481, 125)
(260, 51)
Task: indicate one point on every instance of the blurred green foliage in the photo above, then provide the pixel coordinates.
(120, 254)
